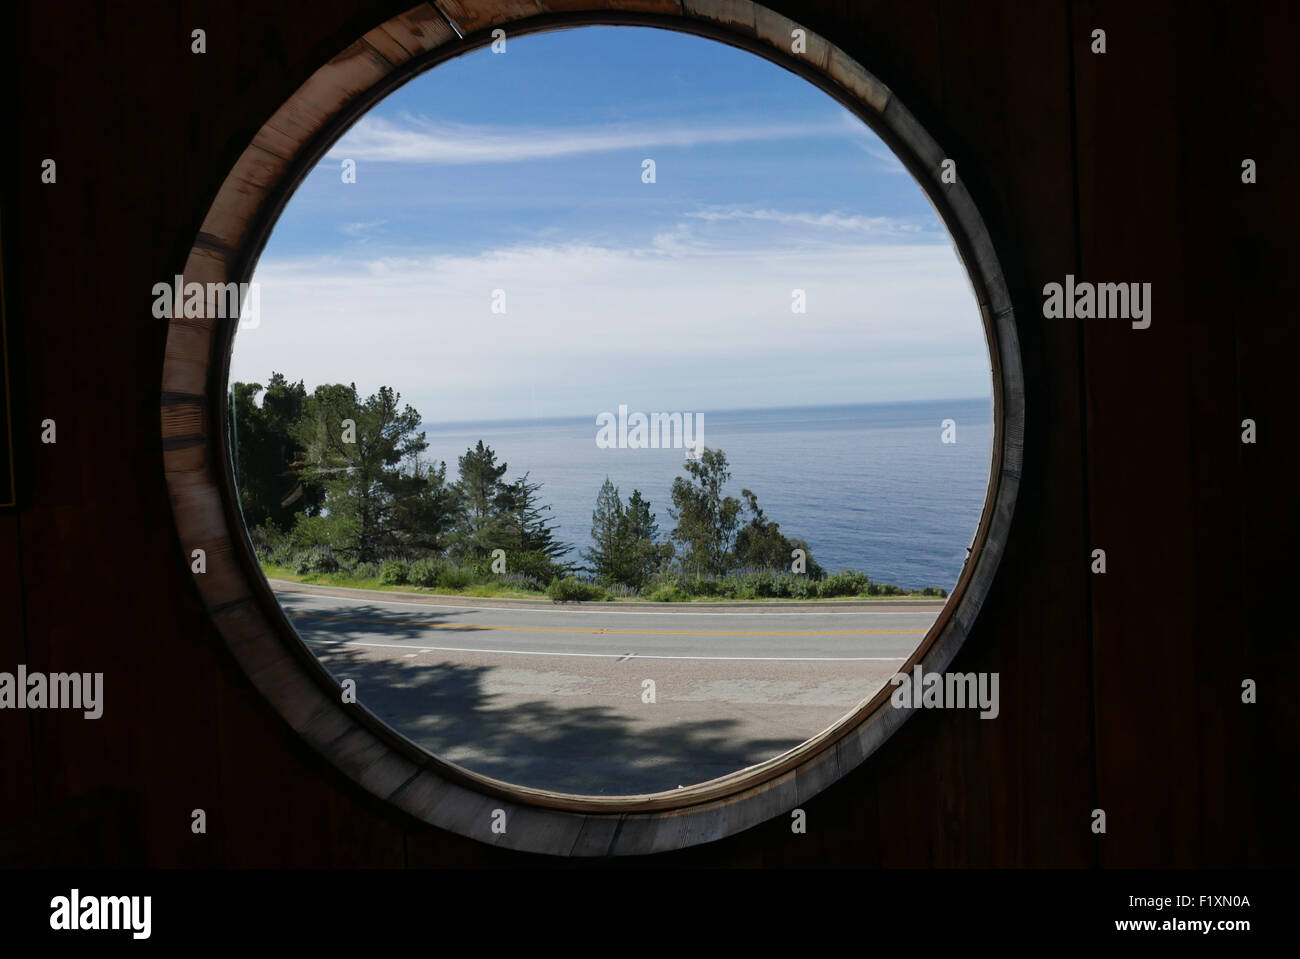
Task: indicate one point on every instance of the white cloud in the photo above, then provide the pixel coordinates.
(875, 226)
(418, 140)
(870, 143)
(360, 229)
(889, 163)
(588, 327)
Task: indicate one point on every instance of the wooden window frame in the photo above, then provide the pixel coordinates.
(206, 507)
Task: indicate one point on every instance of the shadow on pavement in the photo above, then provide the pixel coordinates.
(590, 750)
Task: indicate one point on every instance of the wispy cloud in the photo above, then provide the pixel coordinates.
(417, 140)
(724, 230)
(876, 226)
(888, 162)
(866, 140)
(360, 229)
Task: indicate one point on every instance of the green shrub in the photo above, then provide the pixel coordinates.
(455, 577)
(312, 531)
(366, 571)
(271, 544)
(532, 563)
(801, 587)
(573, 590)
(771, 584)
(754, 584)
(844, 583)
(522, 581)
(710, 586)
(668, 593)
(318, 559)
(425, 572)
(394, 573)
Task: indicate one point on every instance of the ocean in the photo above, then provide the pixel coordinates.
(870, 487)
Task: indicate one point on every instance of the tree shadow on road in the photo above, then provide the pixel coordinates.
(590, 750)
(361, 622)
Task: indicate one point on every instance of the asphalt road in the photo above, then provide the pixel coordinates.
(554, 696)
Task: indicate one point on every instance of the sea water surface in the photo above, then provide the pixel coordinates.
(870, 487)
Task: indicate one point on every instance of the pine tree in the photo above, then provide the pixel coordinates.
(605, 521)
(359, 467)
(270, 487)
(640, 521)
(638, 556)
(484, 501)
(529, 528)
(426, 507)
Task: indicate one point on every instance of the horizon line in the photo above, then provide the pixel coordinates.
(732, 409)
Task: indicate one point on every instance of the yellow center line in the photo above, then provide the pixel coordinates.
(629, 632)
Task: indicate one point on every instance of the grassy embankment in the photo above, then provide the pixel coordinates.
(573, 590)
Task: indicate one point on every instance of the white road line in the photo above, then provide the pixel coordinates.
(616, 656)
(750, 611)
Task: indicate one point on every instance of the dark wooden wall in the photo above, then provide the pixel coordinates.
(1119, 692)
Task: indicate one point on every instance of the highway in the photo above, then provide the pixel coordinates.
(554, 696)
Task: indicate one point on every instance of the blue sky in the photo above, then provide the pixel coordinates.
(522, 171)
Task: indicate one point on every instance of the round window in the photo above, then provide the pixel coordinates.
(610, 424)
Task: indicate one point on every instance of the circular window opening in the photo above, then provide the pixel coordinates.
(653, 368)
(611, 416)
